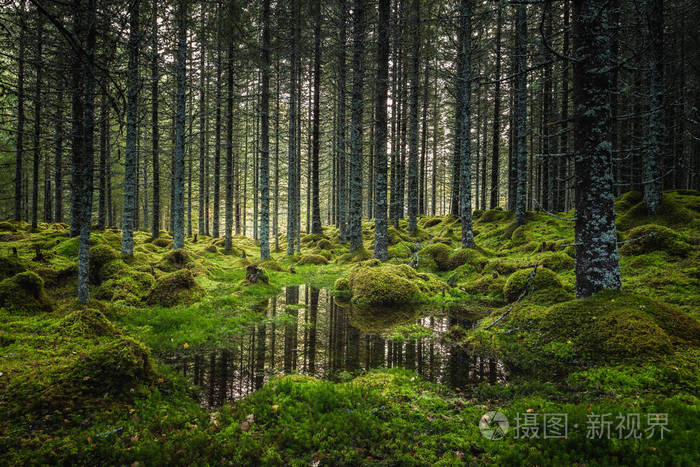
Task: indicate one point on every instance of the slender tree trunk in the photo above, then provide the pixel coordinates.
(358, 46)
(465, 186)
(155, 225)
(597, 260)
(292, 147)
(413, 186)
(520, 114)
(456, 157)
(20, 115)
(381, 238)
(37, 121)
(342, 177)
(316, 210)
(228, 203)
(179, 160)
(564, 140)
(58, 160)
(217, 127)
(265, 137)
(495, 156)
(202, 128)
(102, 191)
(275, 222)
(130, 207)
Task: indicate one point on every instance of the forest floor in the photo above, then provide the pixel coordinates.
(84, 384)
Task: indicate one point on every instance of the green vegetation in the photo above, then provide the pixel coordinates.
(84, 383)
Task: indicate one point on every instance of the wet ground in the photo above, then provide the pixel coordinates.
(305, 330)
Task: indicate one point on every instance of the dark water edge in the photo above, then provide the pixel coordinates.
(304, 330)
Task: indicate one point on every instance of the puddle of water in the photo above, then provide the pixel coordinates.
(305, 331)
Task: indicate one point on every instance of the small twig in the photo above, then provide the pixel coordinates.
(528, 290)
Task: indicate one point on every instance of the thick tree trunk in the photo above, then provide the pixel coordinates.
(597, 260)
(381, 237)
(265, 137)
(130, 207)
(495, 156)
(520, 114)
(342, 164)
(355, 214)
(37, 121)
(413, 186)
(179, 160)
(464, 83)
(292, 147)
(316, 202)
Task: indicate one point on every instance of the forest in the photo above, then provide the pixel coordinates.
(349, 232)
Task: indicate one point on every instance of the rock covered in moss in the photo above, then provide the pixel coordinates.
(10, 265)
(176, 288)
(651, 237)
(469, 256)
(114, 367)
(312, 259)
(324, 244)
(128, 288)
(519, 281)
(112, 269)
(176, 260)
(162, 242)
(85, 322)
(558, 261)
(435, 256)
(24, 293)
(361, 254)
(100, 255)
(671, 212)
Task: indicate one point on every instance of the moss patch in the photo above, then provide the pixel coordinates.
(24, 293)
(85, 322)
(100, 255)
(651, 237)
(176, 288)
(519, 281)
(312, 259)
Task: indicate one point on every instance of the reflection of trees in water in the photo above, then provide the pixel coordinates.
(318, 339)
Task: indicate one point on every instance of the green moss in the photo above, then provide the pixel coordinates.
(651, 237)
(211, 249)
(376, 320)
(112, 269)
(487, 286)
(559, 261)
(324, 244)
(176, 288)
(128, 288)
(176, 260)
(85, 322)
(312, 259)
(467, 256)
(519, 281)
(381, 285)
(11, 265)
(100, 255)
(8, 226)
(326, 254)
(628, 200)
(113, 368)
(24, 293)
(493, 215)
(671, 212)
(360, 254)
(162, 242)
(435, 256)
(503, 266)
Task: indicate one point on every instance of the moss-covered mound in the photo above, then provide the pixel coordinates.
(324, 244)
(610, 326)
(651, 237)
(519, 281)
(312, 259)
(113, 368)
(360, 254)
(24, 293)
(469, 256)
(675, 209)
(10, 265)
(375, 320)
(176, 288)
(176, 260)
(100, 255)
(86, 322)
(557, 261)
(162, 242)
(436, 257)
(376, 284)
(128, 288)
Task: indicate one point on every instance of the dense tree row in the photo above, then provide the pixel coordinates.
(301, 112)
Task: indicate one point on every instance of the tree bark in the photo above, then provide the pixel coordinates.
(465, 186)
(265, 137)
(179, 161)
(520, 114)
(381, 236)
(413, 185)
(495, 156)
(316, 202)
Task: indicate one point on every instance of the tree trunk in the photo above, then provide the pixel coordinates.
(155, 225)
(265, 137)
(465, 186)
(520, 114)
(228, 204)
(37, 121)
(597, 261)
(20, 115)
(217, 127)
(381, 237)
(102, 191)
(495, 156)
(202, 221)
(413, 185)
(342, 164)
(130, 207)
(292, 148)
(179, 161)
(316, 209)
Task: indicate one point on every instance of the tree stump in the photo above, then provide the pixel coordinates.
(253, 274)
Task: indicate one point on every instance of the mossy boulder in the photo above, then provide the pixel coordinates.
(179, 287)
(100, 255)
(671, 212)
(85, 322)
(376, 320)
(503, 266)
(162, 242)
(176, 260)
(435, 256)
(558, 261)
(128, 288)
(7, 226)
(24, 293)
(10, 265)
(519, 281)
(487, 286)
(112, 269)
(360, 254)
(379, 286)
(324, 244)
(312, 259)
(467, 256)
(651, 237)
(114, 367)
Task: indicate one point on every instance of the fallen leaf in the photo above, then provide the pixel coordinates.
(274, 407)
(245, 426)
(186, 345)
